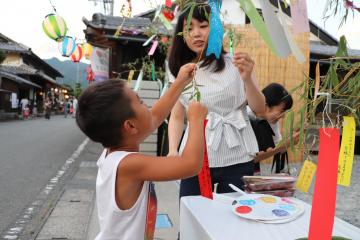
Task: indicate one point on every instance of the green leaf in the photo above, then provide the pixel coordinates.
(189, 17)
(291, 129)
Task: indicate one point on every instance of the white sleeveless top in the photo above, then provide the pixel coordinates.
(129, 224)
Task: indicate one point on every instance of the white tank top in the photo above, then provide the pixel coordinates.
(138, 222)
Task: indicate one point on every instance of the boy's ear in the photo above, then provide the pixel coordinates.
(129, 127)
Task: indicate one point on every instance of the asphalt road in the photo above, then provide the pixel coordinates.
(31, 153)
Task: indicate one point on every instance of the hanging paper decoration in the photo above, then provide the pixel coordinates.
(153, 73)
(168, 14)
(216, 30)
(153, 48)
(54, 27)
(231, 47)
(149, 40)
(90, 74)
(347, 148)
(87, 50)
(166, 22)
(138, 81)
(77, 54)
(299, 16)
(67, 46)
(168, 3)
(324, 198)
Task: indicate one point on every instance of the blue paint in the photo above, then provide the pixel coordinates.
(248, 202)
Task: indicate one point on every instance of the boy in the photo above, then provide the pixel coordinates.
(112, 114)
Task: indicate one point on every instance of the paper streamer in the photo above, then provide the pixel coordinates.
(317, 81)
(306, 176)
(296, 51)
(153, 74)
(168, 3)
(216, 30)
(166, 22)
(165, 88)
(157, 13)
(204, 175)
(324, 199)
(299, 16)
(153, 48)
(130, 76)
(346, 151)
(231, 47)
(138, 81)
(257, 22)
(276, 31)
(149, 40)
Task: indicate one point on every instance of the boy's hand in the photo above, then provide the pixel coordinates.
(186, 74)
(197, 111)
(245, 65)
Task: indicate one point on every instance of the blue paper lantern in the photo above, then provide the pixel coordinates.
(67, 46)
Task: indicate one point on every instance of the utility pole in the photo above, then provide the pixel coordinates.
(108, 6)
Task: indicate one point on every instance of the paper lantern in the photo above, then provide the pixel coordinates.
(67, 46)
(87, 50)
(55, 27)
(77, 54)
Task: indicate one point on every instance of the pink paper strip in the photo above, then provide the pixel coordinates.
(324, 200)
(299, 15)
(153, 48)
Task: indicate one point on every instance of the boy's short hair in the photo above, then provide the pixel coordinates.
(102, 109)
(275, 94)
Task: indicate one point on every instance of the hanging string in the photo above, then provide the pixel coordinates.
(52, 5)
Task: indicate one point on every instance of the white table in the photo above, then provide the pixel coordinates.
(203, 219)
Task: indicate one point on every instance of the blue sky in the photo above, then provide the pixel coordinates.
(21, 20)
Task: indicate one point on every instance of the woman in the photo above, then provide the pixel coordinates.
(231, 143)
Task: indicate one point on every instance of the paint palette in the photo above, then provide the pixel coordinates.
(267, 208)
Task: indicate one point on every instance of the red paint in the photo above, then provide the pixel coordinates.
(324, 200)
(243, 209)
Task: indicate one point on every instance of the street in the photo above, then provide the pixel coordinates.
(36, 156)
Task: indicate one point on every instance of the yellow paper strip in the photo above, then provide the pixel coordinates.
(130, 76)
(306, 175)
(346, 156)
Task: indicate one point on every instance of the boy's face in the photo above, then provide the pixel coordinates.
(143, 117)
(274, 113)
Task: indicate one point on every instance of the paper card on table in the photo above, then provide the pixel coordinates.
(296, 51)
(346, 151)
(306, 176)
(153, 48)
(257, 22)
(168, 3)
(166, 22)
(149, 40)
(138, 81)
(299, 15)
(130, 76)
(275, 29)
(324, 199)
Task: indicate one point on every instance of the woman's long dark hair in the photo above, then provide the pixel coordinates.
(181, 54)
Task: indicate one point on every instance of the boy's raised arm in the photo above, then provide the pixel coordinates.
(189, 163)
(163, 106)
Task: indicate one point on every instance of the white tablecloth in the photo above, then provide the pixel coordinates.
(203, 219)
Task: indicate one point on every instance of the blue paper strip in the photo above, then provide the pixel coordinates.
(216, 30)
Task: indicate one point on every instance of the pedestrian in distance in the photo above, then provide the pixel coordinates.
(47, 108)
(226, 84)
(112, 114)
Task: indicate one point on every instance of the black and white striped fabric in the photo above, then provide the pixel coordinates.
(229, 136)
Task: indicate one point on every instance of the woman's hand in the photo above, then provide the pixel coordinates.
(245, 65)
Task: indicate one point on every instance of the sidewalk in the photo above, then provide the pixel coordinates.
(75, 215)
